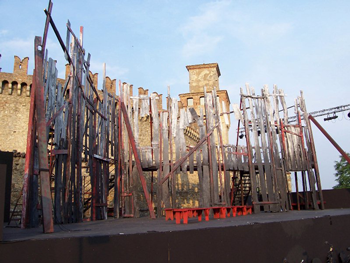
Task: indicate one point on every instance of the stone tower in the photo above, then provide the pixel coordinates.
(206, 75)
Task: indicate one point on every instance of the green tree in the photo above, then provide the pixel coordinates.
(342, 173)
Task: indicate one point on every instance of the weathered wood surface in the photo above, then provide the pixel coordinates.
(257, 149)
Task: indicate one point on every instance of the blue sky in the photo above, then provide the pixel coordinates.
(298, 45)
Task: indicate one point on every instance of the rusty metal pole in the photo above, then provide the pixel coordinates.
(332, 141)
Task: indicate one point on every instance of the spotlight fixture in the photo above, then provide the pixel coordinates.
(331, 118)
(349, 114)
(241, 136)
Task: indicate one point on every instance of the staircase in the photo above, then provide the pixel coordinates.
(242, 189)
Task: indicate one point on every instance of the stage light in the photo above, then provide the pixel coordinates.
(330, 118)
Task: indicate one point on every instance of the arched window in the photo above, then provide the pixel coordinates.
(201, 100)
(13, 87)
(4, 86)
(22, 88)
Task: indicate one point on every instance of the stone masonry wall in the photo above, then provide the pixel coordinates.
(14, 114)
(17, 179)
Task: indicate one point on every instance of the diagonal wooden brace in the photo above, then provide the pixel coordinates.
(180, 161)
(137, 160)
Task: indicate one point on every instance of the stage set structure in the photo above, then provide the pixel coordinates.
(85, 159)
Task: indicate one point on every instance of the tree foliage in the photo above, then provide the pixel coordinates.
(342, 174)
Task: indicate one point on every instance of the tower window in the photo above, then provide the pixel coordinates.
(190, 102)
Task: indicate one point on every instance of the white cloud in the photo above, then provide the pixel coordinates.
(24, 46)
(210, 17)
(200, 31)
(250, 31)
(227, 20)
(111, 70)
(200, 45)
(3, 32)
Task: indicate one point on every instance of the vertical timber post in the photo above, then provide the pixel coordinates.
(42, 145)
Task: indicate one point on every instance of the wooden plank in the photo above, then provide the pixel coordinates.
(136, 119)
(275, 158)
(313, 150)
(191, 161)
(155, 128)
(138, 164)
(239, 158)
(309, 170)
(166, 167)
(80, 133)
(290, 154)
(113, 120)
(213, 165)
(149, 157)
(249, 151)
(93, 163)
(171, 119)
(296, 148)
(233, 158)
(73, 119)
(267, 163)
(262, 185)
(245, 159)
(183, 123)
(225, 189)
(280, 155)
(42, 145)
(177, 143)
(200, 178)
(115, 116)
(118, 157)
(285, 121)
(204, 177)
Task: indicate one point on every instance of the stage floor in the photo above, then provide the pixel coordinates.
(129, 226)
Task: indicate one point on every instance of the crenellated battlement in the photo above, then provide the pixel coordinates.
(21, 66)
(19, 82)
